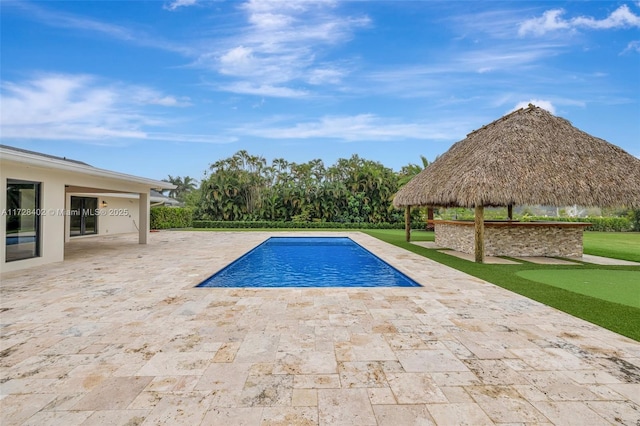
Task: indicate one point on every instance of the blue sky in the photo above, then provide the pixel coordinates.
(168, 87)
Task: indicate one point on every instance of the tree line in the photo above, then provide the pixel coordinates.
(245, 187)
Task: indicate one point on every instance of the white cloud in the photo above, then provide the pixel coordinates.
(180, 3)
(71, 21)
(249, 88)
(325, 75)
(552, 20)
(282, 46)
(361, 127)
(537, 102)
(633, 46)
(80, 107)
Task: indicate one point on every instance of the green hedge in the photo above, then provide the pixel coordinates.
(603, 224)
(297, 225)
(171, 217)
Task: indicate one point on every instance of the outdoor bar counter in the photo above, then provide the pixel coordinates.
(513, 238)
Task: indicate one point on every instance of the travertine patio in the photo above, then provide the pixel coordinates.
(117, 334)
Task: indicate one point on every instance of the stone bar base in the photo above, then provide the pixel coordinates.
(511, 238)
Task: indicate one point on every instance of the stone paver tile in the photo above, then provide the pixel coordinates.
(455, 378)
(415, 388)
(504, 405)
(551, 359)
(371, 347)
(261, 369)
(180, 409)
(458, 349)
(146, 400)
(236, 416)
(70, 345)
(361, 374)
(482, 346)
(618, 412)
(316, 381)
(28, 385)
(176, 364)
(391, 314)
(306, 362)
(381, 396)
(345, 407)
(258, 347)
(494, 372)
(459, 414)
(605, 393)
(344, 351)
(162, 384)
(559, 387)
(56, 418)
(569, 413)
(16, 408)
(115, 393)
(227, 352)
(422, 361)
(531, 393)
(296, 343)
(405, 415)
(631, 391)
(456, 394)
(405, 341)
(289, 416)
(46, 367)
(65, 401)
(19, 352)
(267, 391)
(591, 376)
(627, 370)
(304, 398)
(221, 376)
(116, 417)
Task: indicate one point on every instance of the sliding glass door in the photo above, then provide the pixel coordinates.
(83, 219)
(22, 220)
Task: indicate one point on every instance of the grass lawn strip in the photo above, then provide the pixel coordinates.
(618, 245)
(614, 286)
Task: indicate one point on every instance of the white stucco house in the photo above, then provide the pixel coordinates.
(46, 201)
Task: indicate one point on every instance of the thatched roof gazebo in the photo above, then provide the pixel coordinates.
(526, 157)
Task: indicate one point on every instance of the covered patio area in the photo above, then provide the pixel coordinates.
(117, 334)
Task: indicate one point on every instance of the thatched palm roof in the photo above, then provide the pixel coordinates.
(527, 157)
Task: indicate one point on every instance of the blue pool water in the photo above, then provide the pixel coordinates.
(309, 262)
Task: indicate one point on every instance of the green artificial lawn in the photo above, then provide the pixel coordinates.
(618, 245)
(618, 317)
(614, 286)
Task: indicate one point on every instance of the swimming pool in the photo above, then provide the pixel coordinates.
(309, 262)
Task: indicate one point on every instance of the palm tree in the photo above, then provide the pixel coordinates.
(407, 173)
(183, 186)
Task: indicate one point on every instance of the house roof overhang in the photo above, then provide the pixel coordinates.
(48, 162)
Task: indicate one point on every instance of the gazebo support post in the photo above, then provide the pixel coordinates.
(479, 234)
(407, 223)
(429, 226)
(510, 211)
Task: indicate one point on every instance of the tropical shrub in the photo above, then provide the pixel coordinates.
(224, 224)
(171, 217)
(603, 224)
